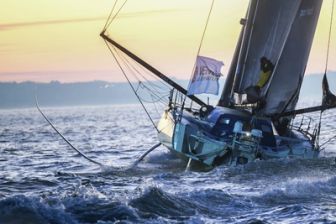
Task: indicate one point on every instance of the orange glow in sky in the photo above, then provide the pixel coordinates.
(46, 40)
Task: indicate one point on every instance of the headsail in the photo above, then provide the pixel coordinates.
(328, 101)
(328, 98)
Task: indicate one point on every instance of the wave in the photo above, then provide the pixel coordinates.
(156, 203)
(73, 210)
(311, 190)
(21, 209)
(197, 206)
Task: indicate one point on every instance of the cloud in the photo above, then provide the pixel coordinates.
(149, 13)
(7, 26)
(4, 45)
(61, 75)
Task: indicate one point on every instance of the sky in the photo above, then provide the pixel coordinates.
(45, 40)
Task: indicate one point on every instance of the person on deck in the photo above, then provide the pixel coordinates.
(253, 92)
(266, 68)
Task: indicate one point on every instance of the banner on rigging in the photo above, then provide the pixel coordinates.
(206, 75)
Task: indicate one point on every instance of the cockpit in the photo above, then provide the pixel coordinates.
(223, 122)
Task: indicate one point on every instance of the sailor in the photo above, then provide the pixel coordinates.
(253, 92)
(266, 68)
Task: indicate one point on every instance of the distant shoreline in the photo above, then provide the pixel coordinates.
(14, 95)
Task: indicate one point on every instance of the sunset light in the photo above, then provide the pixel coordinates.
(48, 40)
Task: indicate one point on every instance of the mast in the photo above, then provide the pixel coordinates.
(246, 46)
(225, 99)
(235, 71)
(152, 69)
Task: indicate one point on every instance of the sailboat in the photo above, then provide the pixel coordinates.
(254, 118)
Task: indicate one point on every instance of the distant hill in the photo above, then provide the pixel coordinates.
(16, 95)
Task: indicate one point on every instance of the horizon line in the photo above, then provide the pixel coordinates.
(118, 82)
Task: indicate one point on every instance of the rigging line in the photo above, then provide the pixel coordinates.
(137, 71)
(117, 13)
(199, 49)
(131, 66)
(154, 94)
(109, 17)
(138, 86)
(129, 82)
(151, 102)
(141, 84)
(154, 76)
(329, 40)
(205, 28)
(326, 69)
(328, 141)
(164, 105)
(135, 92)
(293, 97)
(82, 154)
(144, 155)
(155, 99)
(160, 95)
(55, 129)
(159, 98)
(202, 39)
(157, 111)
(147, 72)
(319, 130)
(128, 65)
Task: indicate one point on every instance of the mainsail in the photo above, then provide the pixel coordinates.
(282, 32)
(285, 86)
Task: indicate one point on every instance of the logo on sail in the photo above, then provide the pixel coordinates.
(306, 12)
(206, 75)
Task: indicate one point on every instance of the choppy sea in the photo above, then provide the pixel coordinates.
(43, 181)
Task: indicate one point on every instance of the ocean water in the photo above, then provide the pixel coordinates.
(43, 181)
